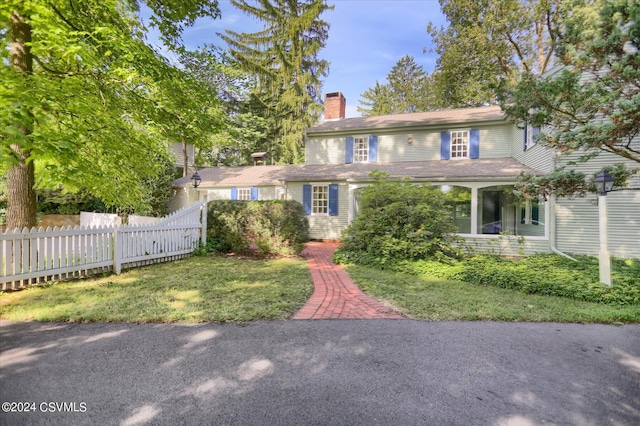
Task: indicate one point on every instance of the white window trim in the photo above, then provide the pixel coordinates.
(355, 143)
(313, 205)
(242, 191)
(531, 141)
(451, 132)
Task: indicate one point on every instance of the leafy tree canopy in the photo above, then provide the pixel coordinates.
(488, 44)
(592, 103)
(85, 102)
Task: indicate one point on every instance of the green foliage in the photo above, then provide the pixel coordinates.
(284, 58)
(275, 227)
(593, 103)
(486, 43)
(399, 220)
(407, 91)
(93, 103)
(544, 274)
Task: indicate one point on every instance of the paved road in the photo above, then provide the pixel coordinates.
(348, 372)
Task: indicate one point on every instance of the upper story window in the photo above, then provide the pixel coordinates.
(460, 144)
(530, 136)
(361, 149)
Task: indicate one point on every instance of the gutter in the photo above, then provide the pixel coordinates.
(552, 216)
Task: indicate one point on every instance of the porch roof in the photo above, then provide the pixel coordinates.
(455, 170)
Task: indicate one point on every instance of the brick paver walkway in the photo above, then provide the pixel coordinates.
(335, 295)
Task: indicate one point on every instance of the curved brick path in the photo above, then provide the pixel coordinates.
(335, 295)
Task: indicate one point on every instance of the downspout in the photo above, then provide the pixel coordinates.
(552, 215)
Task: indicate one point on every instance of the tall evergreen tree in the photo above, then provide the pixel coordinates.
(376, 100)
(407, 91)
(284, 57)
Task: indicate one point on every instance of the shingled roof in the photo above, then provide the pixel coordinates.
(454, 170)
(432, 118)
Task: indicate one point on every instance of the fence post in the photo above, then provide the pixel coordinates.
(203, 232)
(117, 252)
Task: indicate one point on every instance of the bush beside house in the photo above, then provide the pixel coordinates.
(271, 227)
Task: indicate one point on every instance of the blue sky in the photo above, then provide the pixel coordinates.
(366, 38)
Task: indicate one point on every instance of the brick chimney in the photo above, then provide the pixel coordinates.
(334, 106)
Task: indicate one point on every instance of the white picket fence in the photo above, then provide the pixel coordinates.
(40, 255)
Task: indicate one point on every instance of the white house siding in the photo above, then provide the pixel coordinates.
(324, 227)
(506, 246)
(578, 219)
(176, 152)
(537, 157)
(495, 142)
(577, 224)
(328, 150)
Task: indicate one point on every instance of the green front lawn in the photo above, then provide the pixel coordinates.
(191, 290)
(435, 299)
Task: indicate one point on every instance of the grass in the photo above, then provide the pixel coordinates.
(196, 289)
(435, 299)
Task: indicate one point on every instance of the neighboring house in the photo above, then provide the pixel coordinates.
(475, 154)
(177, 152)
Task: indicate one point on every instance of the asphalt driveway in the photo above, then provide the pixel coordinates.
(348, 372)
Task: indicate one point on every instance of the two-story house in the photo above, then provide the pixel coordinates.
(473, 154)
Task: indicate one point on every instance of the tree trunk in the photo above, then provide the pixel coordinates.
(185, 159)
(21, 200)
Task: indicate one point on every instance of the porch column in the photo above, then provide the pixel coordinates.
(474, 211)
(352, 201)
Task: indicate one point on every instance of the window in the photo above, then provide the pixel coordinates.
(459, 144)
(361, 150)
(244, 193)
(320, 199)
(281, 193)
(530, 134)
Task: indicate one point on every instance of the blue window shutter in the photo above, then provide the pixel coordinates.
(524, 142)
(333, 199)
(373, 149)
(348, 150)
(234, 193)
(254, 193)
(445, 145)
(306, 198)
(474, 143)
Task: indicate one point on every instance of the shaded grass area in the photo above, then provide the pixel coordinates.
(196, 289)
(421, 297)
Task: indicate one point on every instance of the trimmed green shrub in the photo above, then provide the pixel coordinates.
(273, 227)
(545, 274)
(399, 220)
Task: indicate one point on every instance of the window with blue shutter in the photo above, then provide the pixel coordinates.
(445, 145)
(348, 150)
(474, 143)
(524, 139)
(306, 198)
(373, 149)
(254, 193)
(333, 199)
(234, 193)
